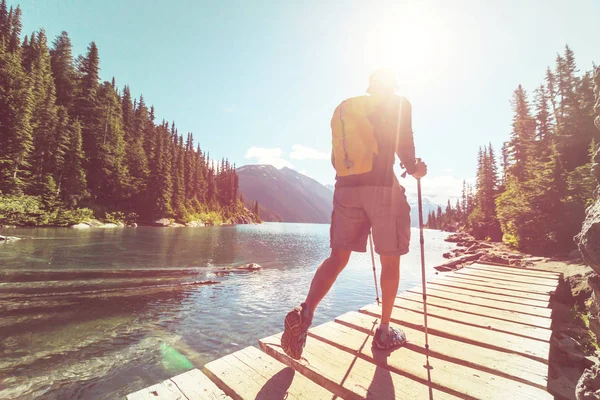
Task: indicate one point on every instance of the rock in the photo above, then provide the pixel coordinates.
(452, 264)
(447, 255)
(460, 237)
(81, 225)
(195, 224)
(176, 225)
(109, 225)
(494, 258)
(164, 222)
(588, 240)
(9, 238)
(94, 223)
(588, 387)
(132, 225)
(252, 267)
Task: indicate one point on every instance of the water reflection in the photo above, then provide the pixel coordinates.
(97, 314)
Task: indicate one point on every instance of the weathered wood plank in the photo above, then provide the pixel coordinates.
(197, 386)
(501, 363)
(490, 323)
(540, 284)
(546, 277)
(349, 376)
(518, 288)
(529, 269)
(496, 301)
(532, 348)
(493, 324)
(445, 375)
(166, 390)
(250, 374)
(509, 295)
(475, 309)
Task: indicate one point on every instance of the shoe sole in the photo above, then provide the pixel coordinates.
(291, 340)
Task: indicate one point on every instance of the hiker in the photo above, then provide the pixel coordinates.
(367, 133)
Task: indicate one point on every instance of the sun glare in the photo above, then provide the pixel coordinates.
(411, 39)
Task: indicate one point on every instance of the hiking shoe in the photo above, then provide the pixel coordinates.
(395, 338)
(296, 326)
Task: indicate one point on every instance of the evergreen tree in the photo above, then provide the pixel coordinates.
(73, 186)
(44, 118)
(522, 136)
(164, 185)
(178, 179)
(16, 27)
(16, 141)
(63, 70)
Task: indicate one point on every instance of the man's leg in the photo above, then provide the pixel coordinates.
(325, 276)
(390, 279)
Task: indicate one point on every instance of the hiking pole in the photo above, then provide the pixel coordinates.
(422, 240)
(373, 261)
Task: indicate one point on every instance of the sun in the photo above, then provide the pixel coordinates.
(412, 39)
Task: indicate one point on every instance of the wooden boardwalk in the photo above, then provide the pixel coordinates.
(489, 337)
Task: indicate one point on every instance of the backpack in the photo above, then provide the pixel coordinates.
(353, 137)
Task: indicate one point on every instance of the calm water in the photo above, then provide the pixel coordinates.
(97, 314)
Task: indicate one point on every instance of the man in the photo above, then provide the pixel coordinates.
(372, 200)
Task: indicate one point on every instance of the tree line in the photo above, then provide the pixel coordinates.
(69, 141)
(535, 196)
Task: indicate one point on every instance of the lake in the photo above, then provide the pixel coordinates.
(100, 313)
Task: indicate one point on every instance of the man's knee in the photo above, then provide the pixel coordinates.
(390, 262)
(340, 257)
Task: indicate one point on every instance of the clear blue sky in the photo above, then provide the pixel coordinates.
(253, 79)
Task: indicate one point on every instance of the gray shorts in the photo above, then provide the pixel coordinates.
(358, 209)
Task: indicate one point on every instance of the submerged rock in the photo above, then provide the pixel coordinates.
(9, 238)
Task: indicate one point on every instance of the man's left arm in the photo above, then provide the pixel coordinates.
(405, 145)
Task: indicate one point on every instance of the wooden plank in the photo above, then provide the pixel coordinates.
(524, 298)
(513, 289)
(197, 386)
(458, 295)
(349, 376)
(445, 375)
(528, 306)
(501, 363)
(515, 272)
(483, 321)
(519, 288)
(537, 283)
(166, 390)
(529, 269)
(250, 374)
(532, 348)
(475, 309)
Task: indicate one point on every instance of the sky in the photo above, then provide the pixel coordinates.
(257, 81)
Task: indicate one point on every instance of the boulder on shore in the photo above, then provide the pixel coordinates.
(81, 225)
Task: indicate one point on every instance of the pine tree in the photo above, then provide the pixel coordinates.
(135, 156)
(4, 25)
(164, 186)
(63, 70)
(44, 119)
(522, 136)
(178, 179)
(73, 186)
(15, 34)
(16, 141)
(107, 172)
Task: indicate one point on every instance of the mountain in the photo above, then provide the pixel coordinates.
(428, 206)
(288, 196)
(285, 195)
